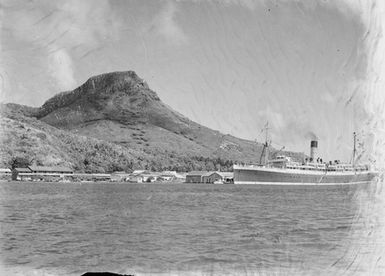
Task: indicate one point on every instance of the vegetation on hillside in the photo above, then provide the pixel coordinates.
(26, 141)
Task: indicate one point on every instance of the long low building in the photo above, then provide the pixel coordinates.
(40, 173)
(50, 170)
(89, 177)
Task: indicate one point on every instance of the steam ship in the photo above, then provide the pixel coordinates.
(283, 170)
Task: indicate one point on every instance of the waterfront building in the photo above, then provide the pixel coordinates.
(89, 177)
(218, 177)
(166, 177)
(139, 172)
(50, 170)
(5, 174)
(211, 177)
(45, 173)
(119, 176)
(135, 179)
(40, 173)
(171, 176)
(227, 177)
(195, 176)
(21, 174)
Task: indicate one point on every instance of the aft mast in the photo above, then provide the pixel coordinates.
(265, 150)
(354, 150)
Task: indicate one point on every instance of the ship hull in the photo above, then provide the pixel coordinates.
(276, 176)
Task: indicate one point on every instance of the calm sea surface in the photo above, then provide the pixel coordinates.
(72, 228)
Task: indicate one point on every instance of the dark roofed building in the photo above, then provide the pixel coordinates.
(22, 170)
(54, 169)
(17, 171)
(195, 176)
(211, 177)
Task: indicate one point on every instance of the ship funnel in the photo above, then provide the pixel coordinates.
(313, 150)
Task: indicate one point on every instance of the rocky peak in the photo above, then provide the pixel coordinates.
(125, 78)
(100, 88)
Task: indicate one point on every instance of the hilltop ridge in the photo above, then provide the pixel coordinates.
(98, 88)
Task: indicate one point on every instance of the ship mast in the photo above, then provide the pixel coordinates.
(354, 149)
(265, 150)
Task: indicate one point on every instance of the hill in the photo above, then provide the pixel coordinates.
(115, 121)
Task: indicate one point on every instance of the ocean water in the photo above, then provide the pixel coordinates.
(188, 229)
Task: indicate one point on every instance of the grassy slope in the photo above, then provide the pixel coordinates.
(43, 144)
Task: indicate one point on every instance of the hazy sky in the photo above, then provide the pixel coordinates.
(230, 65)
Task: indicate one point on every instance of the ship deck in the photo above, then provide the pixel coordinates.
(297, 171)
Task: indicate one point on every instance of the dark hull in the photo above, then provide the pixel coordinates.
(261, 176)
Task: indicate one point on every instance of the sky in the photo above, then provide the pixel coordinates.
(232, 65)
